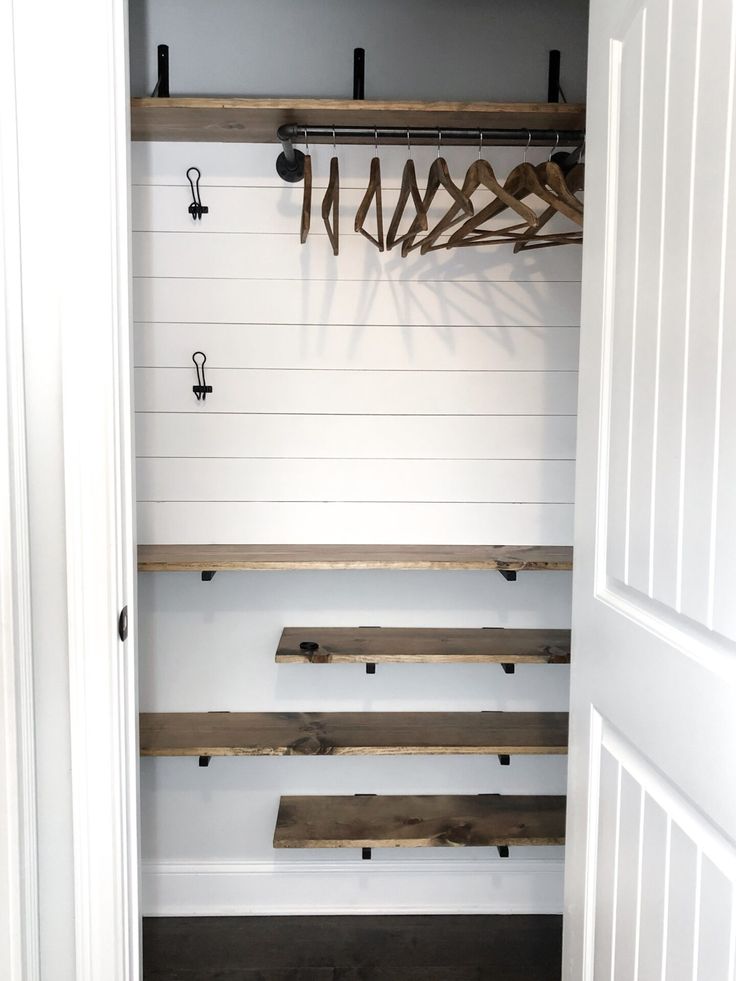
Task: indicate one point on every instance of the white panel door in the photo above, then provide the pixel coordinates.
(651, 862)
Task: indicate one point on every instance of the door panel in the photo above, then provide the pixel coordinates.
(651, 862)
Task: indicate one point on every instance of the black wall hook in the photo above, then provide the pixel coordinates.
(201, 389)
(196, 209)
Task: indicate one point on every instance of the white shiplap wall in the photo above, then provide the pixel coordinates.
(448, 365)
(363, 398)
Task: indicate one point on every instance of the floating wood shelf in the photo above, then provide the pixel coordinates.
(223, 120)
(417, 822)
(403, 645)
(195, 558)
(352, 733)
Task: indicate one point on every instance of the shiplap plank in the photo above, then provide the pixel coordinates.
(605, 881)
(161, 345)
(647, 304)
(254, 164)
(672, 338)
(711, 160)
(192, 435)
(627, 876)
(629, 188)
(715, 924)
(681, 909)
(371, 304)
(724, 555)
(654, 858)
(265, 255)
(361, 392)
(474, 481)
(370, 523)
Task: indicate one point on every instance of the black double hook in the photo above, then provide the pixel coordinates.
(196, 209)
(201, 388)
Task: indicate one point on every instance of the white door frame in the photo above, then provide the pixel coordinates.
(79, 49)
(19, 948)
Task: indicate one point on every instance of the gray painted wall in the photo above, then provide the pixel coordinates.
(415, 49)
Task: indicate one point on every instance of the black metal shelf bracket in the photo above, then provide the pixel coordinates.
(204, 760)
(161, 89)
(503, 851)
(366, 854)
(504, 759)
(370, 668)
(508, 574)
(208, 575)
(508, 668)
(554, 89)
(359, 73)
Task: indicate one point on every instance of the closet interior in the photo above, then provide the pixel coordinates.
(356, 336)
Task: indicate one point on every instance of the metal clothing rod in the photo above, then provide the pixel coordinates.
(291, 133)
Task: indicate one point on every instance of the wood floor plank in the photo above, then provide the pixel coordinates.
(410, 645)
(430, 821)
(410, 947)
(195, 558)
(351, 733)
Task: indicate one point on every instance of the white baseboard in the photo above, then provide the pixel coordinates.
(352, 887)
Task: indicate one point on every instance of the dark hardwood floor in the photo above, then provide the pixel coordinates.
(353, 948)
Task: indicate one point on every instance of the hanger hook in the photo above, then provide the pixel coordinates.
(480, 143)
(375, 139)
(557, 143)
(408, 145)
(439, 142)
(306, 140)
(334, 141)
(528, 143)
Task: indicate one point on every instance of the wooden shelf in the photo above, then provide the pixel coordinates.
(419, 822)
(224, 120)
(196, 558)
(352, 733)
(404, 645)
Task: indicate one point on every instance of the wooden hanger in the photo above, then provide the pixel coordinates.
(522, 181)
(574, 181)
(439, 176)
(373, 190)
(307, 197)
(479, 174)
(409, 188)
(331, 202)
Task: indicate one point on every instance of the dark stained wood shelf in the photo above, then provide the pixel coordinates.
(196, 558)
(352, 733)
(386, 645)
(226, 120)
(419, 821)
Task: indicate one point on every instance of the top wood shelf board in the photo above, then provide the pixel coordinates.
(196, 558)
(224, 120)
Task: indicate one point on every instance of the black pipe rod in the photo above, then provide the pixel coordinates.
(291, 133)
(359, 73)
(553, 78)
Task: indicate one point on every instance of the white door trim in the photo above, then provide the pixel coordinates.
(80, 49)
(98, 479)
(19, 919)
